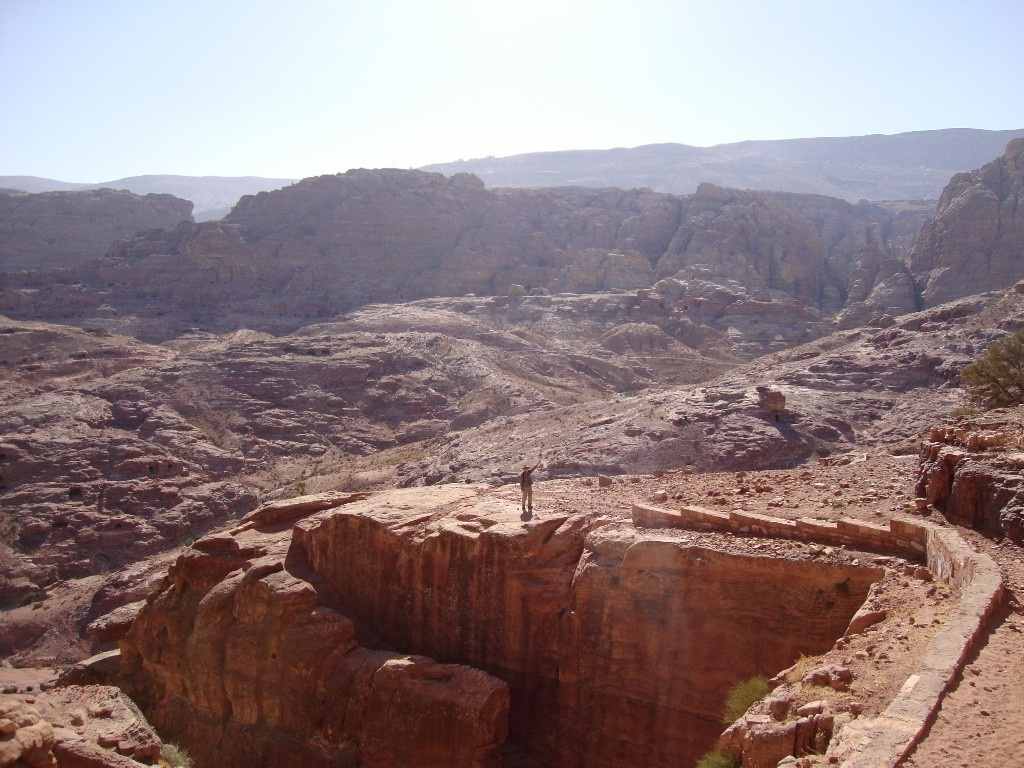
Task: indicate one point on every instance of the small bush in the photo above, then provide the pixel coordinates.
(996, 379)
(175, 756)
(717, 758)
(742, 695)
(30, 597)
(9, 529)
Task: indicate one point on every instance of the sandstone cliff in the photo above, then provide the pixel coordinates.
(971, 471)
(53, 230)
(316, 248)
(975, 242)
(593, 638)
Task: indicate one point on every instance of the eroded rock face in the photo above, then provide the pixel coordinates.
(656, 633)
(974, 242)
(91, 496)
(62, 229)
(25, 738)
(314, 249)
(590, 641)
(76, 727)
(971, 470)
(240, 633)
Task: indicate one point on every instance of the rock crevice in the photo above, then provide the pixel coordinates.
(445, 622)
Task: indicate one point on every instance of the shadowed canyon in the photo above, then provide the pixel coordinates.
(259, 475)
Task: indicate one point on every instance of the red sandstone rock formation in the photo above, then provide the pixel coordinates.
(595, 641)
(975, 241)
(241, 631)
(25, 738)
(316, 248)
(62, 229)
(971, 470)
(75, 727)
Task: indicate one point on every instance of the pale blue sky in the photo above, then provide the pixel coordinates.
(95, 90)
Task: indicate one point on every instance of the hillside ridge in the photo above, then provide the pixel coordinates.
(906, 166)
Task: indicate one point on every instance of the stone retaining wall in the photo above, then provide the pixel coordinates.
(905, 538)
(882, 742)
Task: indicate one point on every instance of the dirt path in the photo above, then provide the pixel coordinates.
(981, 722)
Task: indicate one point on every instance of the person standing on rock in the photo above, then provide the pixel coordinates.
(526, 485)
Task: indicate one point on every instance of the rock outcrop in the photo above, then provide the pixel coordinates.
(591, 637)
(59, 230)
(75, 727)
(971, 470)
(975, 241)
(315, 249)
(25, 738)
(240, 631)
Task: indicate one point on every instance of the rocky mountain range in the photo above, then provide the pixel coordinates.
(281, 260)
(188, 359)
(905, 166)
(386, 348)
(211, 196)
(312, 250)
(57, 230)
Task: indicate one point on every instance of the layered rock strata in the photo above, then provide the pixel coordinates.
(971, 470)
(316, 248)
(975, 240)
(57, 230)
(802, 715)
(75, 727)
(285, 640)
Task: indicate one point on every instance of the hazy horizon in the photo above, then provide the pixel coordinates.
(428, 166)
(109, 89)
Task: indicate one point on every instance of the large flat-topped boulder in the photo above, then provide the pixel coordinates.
(238, 657)
(446, 619)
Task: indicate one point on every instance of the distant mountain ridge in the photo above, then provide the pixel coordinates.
(905, 166)
(212, 196)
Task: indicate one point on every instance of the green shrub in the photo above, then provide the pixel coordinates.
(9, 528)
(742, 695)
(717, 758)
(996, 379)
(176, 756)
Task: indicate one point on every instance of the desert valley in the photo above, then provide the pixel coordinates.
(259, 474)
